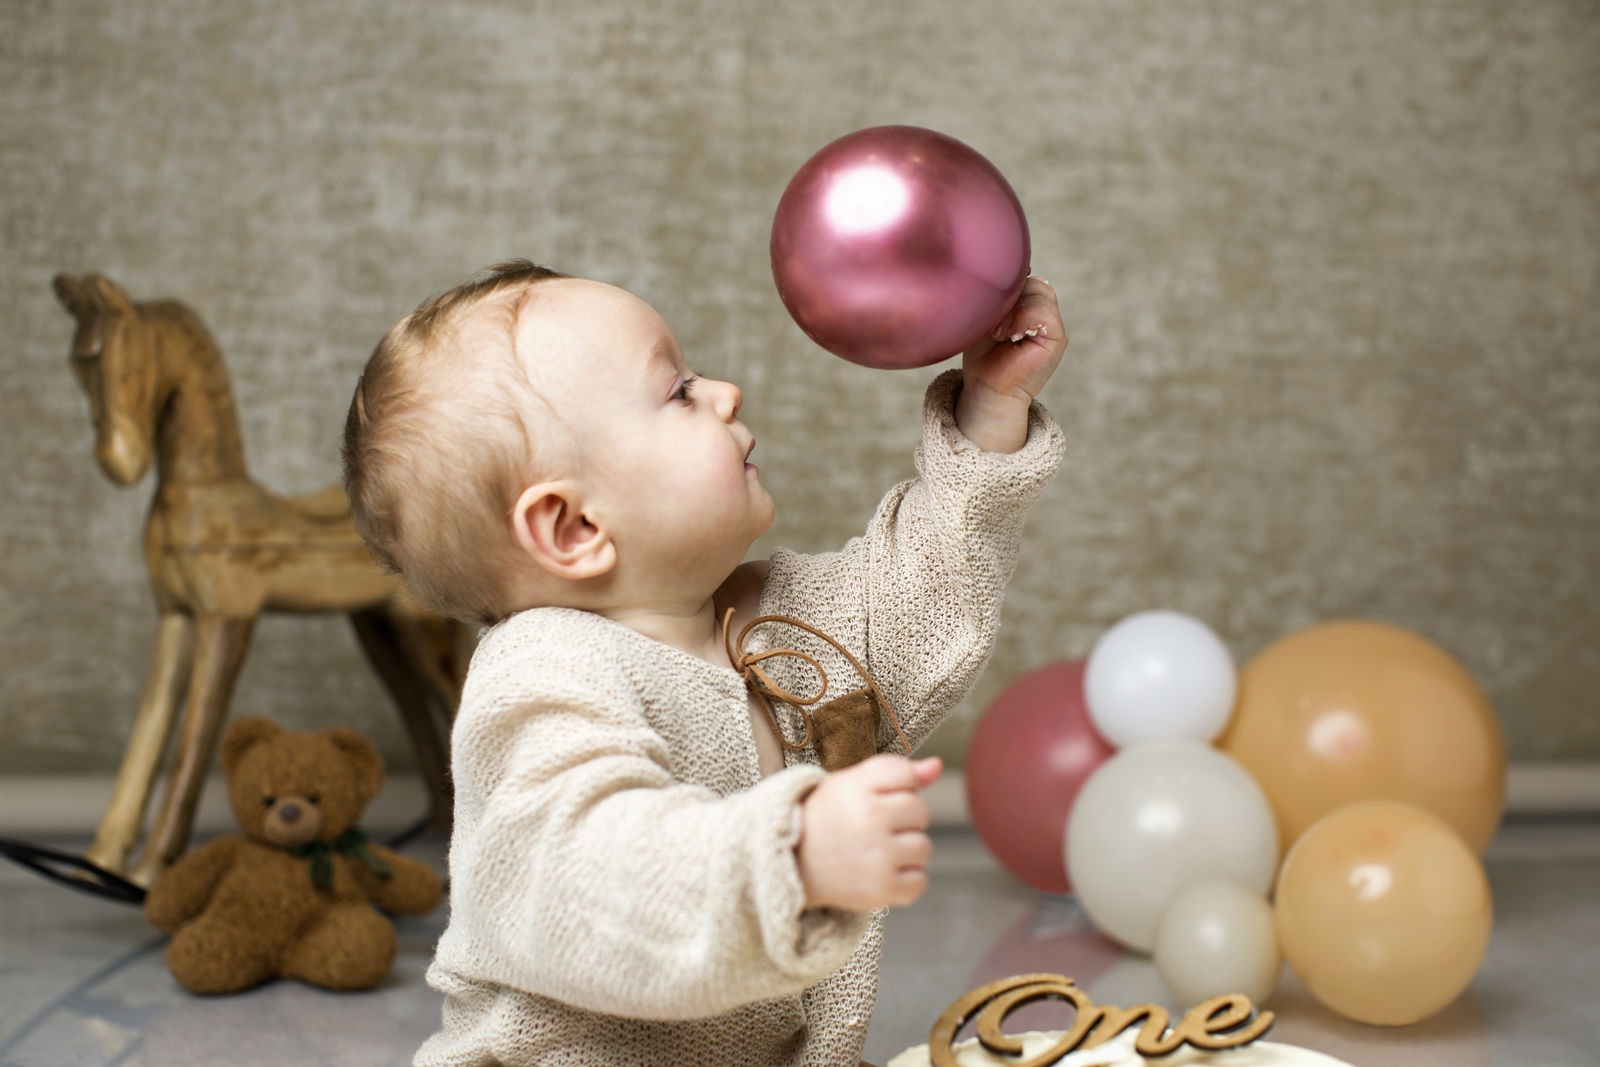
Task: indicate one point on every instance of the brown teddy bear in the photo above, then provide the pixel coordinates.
(294, 896)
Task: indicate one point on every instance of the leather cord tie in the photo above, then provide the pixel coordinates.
(767, 690)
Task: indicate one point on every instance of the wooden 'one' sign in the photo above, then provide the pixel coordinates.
(1221, 1022)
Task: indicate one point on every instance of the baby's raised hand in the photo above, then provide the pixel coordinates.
(863, 837)
(1002, 373)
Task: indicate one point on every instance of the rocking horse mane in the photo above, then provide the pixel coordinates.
(174, 322)
(193, 366)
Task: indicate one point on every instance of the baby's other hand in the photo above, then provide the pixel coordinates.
(1001, 374)
(863, 837)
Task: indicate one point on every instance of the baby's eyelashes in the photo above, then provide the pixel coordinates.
(684, 386)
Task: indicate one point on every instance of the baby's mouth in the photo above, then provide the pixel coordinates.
(747, 464)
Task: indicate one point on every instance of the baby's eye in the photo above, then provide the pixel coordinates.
(682, 392)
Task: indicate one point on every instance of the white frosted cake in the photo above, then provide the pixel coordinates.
(1119, 1052)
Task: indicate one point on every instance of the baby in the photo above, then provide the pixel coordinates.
(673, 846)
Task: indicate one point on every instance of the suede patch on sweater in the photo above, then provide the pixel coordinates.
(845, 730)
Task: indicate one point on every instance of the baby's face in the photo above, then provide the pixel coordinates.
(661, 454)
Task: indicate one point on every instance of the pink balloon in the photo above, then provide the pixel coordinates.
(898, 247)
(1028, 757)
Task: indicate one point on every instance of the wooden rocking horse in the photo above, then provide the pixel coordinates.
(220, 550)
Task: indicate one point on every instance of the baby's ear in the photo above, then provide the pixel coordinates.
(553, 528)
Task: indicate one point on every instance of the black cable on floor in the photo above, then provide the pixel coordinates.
(75, 872)
(89, 877)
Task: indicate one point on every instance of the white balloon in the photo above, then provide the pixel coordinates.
(1159, 675)
(1217, 937)
(1154, 818)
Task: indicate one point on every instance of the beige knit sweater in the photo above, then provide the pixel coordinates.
(623, 881)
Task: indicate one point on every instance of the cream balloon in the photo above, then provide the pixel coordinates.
(1156, 817)
(1216, 937)
(1159, 675)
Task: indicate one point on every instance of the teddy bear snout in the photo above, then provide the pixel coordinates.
(293, 820)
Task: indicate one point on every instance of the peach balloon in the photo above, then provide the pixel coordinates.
(1384, 912)
(1350, 711)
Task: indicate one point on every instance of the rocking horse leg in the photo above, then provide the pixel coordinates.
(124, 815)
(441, 649)
(220, 646)
(435, 646)
(396, 660)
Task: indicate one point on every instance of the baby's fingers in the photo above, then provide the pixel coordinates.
(1035, 314)
(908, 885)
(888, 772)
(904, 810)
(911, 848)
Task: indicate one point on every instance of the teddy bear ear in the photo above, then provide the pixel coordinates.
(242, 736)
(366, 765)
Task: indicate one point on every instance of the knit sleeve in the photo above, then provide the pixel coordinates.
(920, 591)
(589, 875)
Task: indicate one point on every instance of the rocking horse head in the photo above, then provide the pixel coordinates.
(136, 362)
(113, 362)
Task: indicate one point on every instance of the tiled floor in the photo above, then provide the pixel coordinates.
(82, 982)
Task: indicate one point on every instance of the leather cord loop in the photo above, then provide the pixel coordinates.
(766, 690)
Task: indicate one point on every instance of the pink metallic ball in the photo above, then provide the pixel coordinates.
(898, 247)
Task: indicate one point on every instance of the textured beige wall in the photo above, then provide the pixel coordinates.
(1332, 271)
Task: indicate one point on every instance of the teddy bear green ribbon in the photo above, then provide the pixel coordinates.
(353, 842)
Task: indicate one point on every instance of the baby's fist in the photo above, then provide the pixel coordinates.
(863, 835)
(1020, 356)
(1001, 374)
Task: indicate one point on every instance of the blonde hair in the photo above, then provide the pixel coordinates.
(437, 444)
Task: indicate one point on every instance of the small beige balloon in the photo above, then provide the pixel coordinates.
(1216, 937)
(1384, 911)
